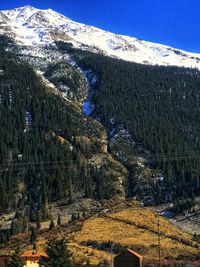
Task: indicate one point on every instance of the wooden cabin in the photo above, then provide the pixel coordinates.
(31, 260)
(128, 258)
(4, 259)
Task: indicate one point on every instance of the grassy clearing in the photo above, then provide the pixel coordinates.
(137, 226)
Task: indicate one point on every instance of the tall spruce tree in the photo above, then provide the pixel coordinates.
(51, 225)
(58, 255)
(59, 220)
(33, 235)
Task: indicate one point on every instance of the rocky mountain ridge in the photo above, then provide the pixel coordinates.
(34, 27)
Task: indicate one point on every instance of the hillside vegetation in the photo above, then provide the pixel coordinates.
(141, 140)
(159, 107)
(49, 151)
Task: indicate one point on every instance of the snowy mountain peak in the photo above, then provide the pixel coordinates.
(3, 18)
(26, 8)
(31, 26)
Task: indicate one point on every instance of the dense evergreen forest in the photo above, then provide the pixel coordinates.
(42, 155)
(160, 107)
(47, 144)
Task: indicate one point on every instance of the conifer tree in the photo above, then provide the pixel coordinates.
(51, 225)
(38, 223)
(58, 255)
(24, 223)
(59, 220)
(16, 259)
(33, 235)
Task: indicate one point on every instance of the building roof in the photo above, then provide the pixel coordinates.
(32, 256)
(135, 253)
(132, 252)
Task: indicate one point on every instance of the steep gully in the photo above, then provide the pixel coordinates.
(91, 79)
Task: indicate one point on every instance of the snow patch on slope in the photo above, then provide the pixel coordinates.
(91, 78)
(31, 26)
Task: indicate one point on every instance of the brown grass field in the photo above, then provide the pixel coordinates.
(138, 227)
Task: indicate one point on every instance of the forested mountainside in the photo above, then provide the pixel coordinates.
(92, 130)
(159, 106)
(49, 151)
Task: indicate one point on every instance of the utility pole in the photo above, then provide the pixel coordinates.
(159, 258)
(111, 251)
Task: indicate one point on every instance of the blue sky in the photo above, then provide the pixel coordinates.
(171, 22)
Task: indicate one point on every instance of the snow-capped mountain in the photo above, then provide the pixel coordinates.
(31, 26)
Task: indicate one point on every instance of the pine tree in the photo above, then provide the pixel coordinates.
(12, 228)
(24, 224)
(38, 223)
(33, 235)
(59, 220)
(58, 255)
(34, 246)
(51, 225)
(16, 259)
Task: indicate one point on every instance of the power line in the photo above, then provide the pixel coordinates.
(36, 166)
(36, 162)
(175, 156)
(51, 165)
